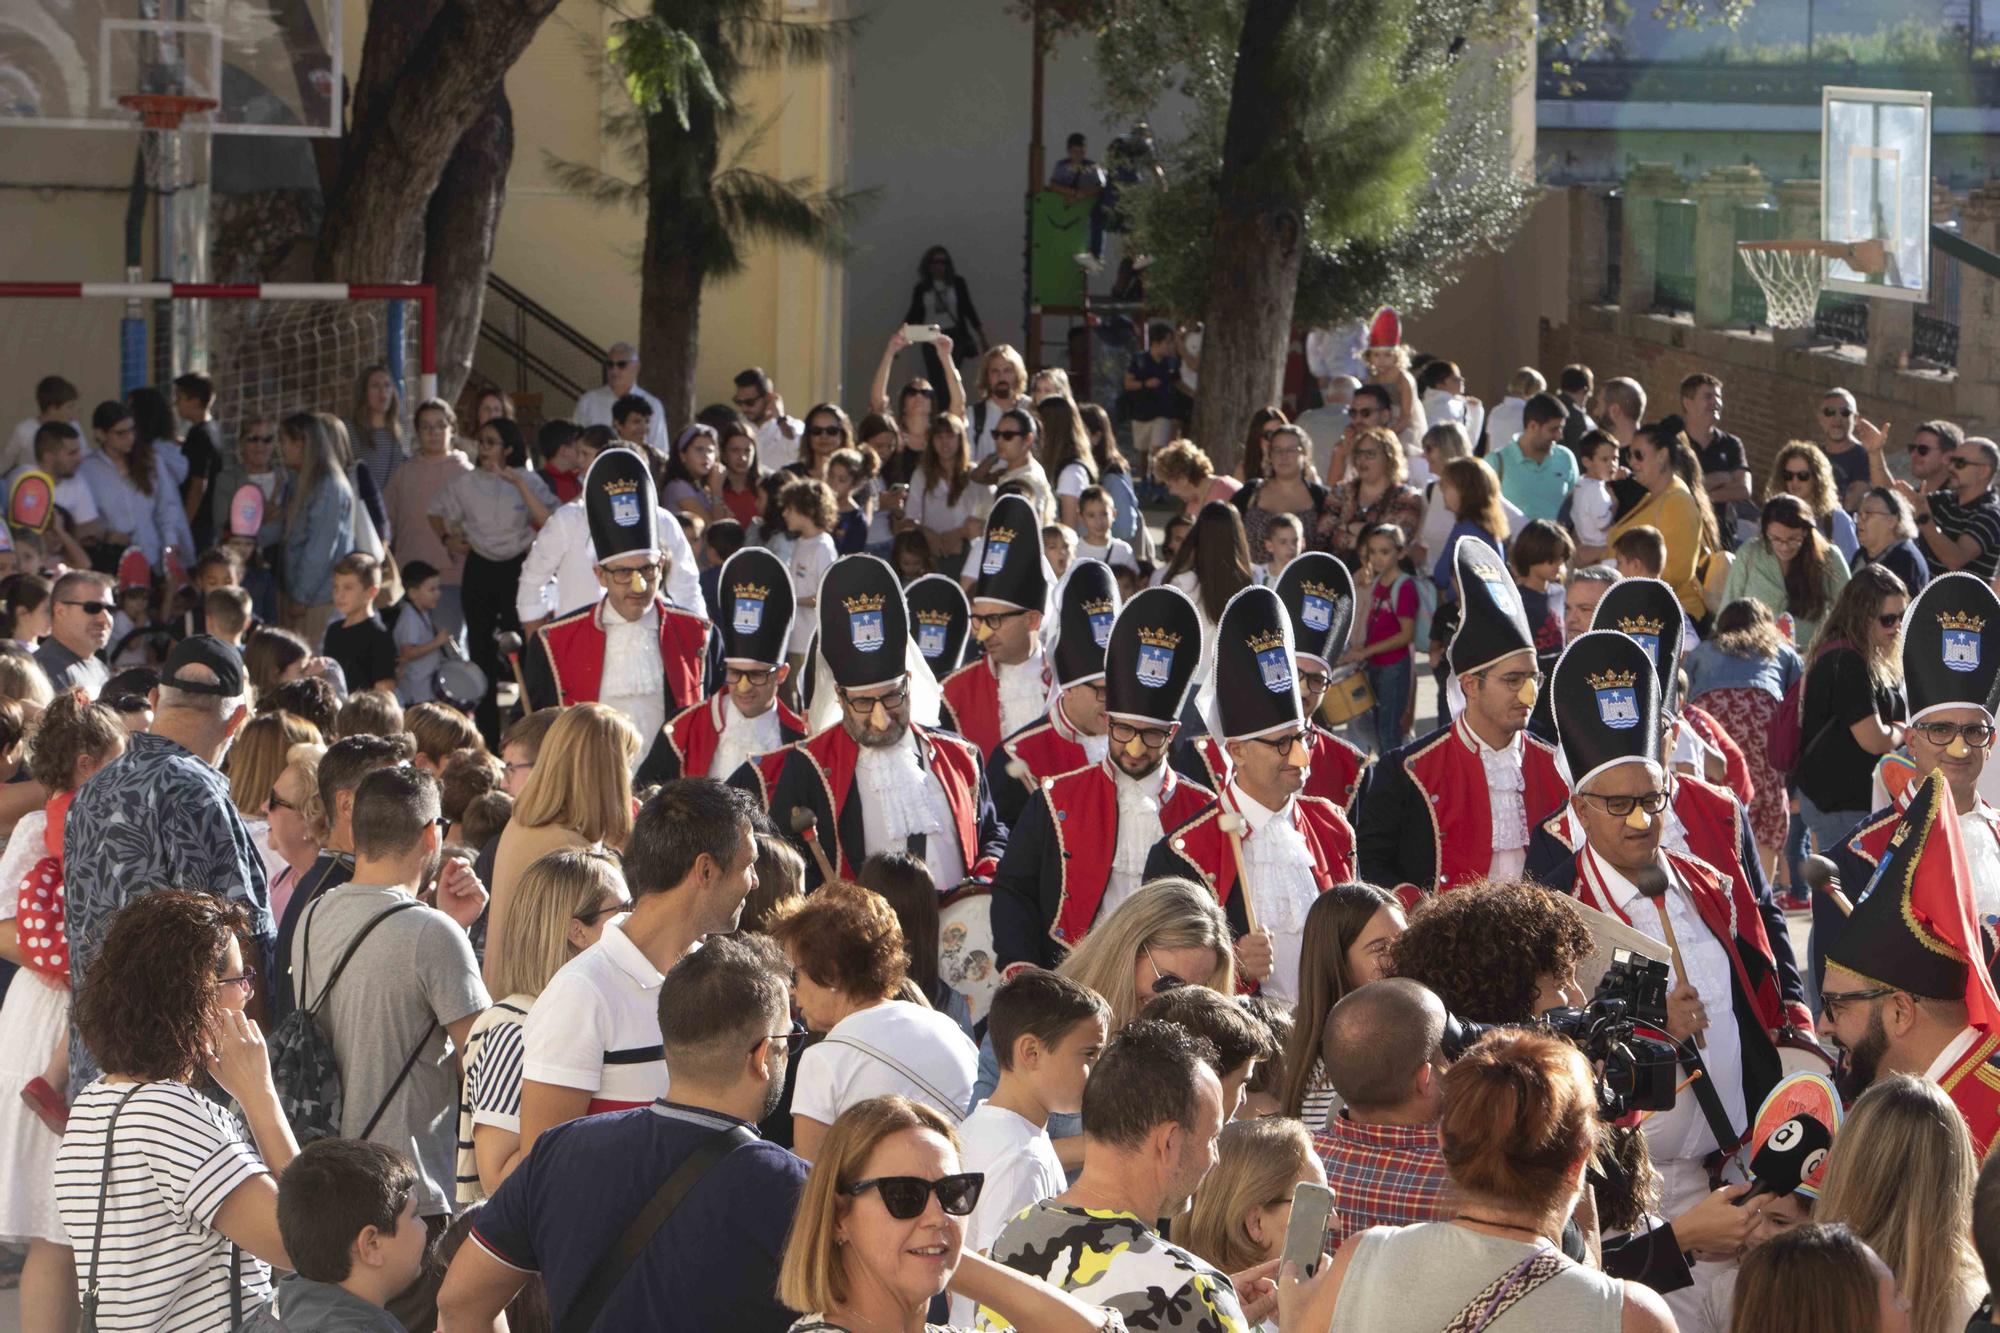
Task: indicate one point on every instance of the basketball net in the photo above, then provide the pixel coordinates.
(1791, 280)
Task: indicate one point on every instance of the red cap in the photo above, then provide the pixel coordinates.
(1386, 329)
(133, 569)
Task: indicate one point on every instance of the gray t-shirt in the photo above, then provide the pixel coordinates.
(415, 974)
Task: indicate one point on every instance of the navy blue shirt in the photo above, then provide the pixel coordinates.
(712, 1265)
(1154, 403)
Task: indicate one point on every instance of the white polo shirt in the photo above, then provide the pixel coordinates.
(596, 1026)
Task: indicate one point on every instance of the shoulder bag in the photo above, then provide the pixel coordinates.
(90, 1293)
(943, 1104)
(1508, 1290)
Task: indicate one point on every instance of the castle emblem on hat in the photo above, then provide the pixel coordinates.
(1156, 656)
(1316, 606)
(1644, 631)
(1101, 613)
(933, 632)
(1274, 664)
(1494, 577)
(864, 621)
(624, 497)
(995, 554)
(1961, 639)
(1617, 698)
(749, 614)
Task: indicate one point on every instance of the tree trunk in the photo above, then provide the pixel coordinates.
(409, 117)
(670, 326)
(459, 232)
(681, 245)
(1259, 243)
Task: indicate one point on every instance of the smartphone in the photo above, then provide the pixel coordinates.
(1305, 1236)
(920, 333)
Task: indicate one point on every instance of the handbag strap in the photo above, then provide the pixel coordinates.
(103, 1198)
(943, 1103)
(1508, 1290)
(346, 957)
(611, 1268)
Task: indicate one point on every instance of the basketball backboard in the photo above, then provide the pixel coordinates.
(271, 66)
(1875, 184)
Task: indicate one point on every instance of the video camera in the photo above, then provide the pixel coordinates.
(1636, 1072)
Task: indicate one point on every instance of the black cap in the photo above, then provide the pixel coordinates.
(1011, 568)
(1648, 611)
(1491, 622)
(1089, 607)
(204, 650)
(1318, 594)
(1606, 701)
(1154, 652)
(1256, 678)
(941, 620)
(756, 607)
(863, 624)
(1947, 662)
(619, 501)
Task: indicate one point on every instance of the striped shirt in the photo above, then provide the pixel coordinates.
(176, 1157)
(492, 1093)
(596, 1026)
(1383, 1175)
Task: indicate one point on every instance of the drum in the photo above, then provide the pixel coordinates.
(1800, 1054)
(1347, 696)
(965, 947)
(460, 683)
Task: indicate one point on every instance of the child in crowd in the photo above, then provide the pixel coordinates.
(1264, 1094)
(1131, 578)
(562, 469)
(218, 567)
(484, 818)
(439, 731)
(1591, 504)
(132, 601)
(1639, 553)
(467, 775)
(1046, 1032)
(1059, 547)
(370, 713)
(358, 640)
(1172, 536)
(1539, 552)
(1386, 602)
(809, 514)
(722, 539)
(202, 444)
(781, 876)
(419, 642)
(55, 400)
(225, 613)
(910, 553)
(347, 1212)
(846, 473)
(1097, 511)
(1283, 539)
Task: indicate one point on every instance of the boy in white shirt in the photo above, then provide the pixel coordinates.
(1591, 504)
(1097, 511)
(1046, 1032)
(1282, 539)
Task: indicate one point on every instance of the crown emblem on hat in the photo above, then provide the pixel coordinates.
(1159, 638)
(863, 601)
(1612, 680)
(1641, 624)
(1000, 534)
(1488, 571)
(620, 486)
(1312, 588)
(1099, 606)
(929, 617)
(1265, 640)
(1961, 620)
(755, 592)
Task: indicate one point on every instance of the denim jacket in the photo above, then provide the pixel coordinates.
(1709, 668)
(318, 539)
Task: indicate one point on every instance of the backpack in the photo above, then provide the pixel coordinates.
(1785, 731)
(303, 1068)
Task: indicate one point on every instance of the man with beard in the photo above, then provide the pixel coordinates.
(869, 779)
(1261, 846)
(1899, 996)
(1080, 846)
(725, 1023)
(744, 718)
(1007, 688)
(1318, 594)
(1071, 733)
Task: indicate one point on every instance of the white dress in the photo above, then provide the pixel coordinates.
(33, 1018)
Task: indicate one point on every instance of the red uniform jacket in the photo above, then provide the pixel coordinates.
(1973, 1084)
(687, 744)
(567, 663)
(1201, 849)
(1335, 775)
(972, 693)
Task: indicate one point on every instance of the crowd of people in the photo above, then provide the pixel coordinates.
(793, 873)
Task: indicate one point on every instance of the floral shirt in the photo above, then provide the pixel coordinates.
(1113, 1259)
(1401, 505)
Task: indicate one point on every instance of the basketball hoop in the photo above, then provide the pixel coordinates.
(164, 111)
(1791, 273)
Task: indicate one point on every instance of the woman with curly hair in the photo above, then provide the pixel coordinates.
(850, 962)
(154, 1183)
(1801, 470)
(1450, 947)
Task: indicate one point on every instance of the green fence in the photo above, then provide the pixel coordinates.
(1759, 222)
(1673, 273)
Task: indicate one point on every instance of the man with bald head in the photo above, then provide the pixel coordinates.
(1383, 1051)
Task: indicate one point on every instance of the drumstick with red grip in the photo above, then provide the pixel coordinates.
(806, 824)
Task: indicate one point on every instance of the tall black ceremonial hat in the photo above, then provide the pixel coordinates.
(1648, 612)
(619, 501)
(1011, 568)
(941, 620)
(1318, 594)
(863, 624)
(1150, 663)
(1947, 662)
(1492, 623)
(757, 607)
(1087, 608)
(1605, 697)
(1256, 679)
(1914, 926)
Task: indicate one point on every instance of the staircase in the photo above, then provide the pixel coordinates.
(526, 350)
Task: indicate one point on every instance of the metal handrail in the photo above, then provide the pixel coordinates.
(544, 316)
(540, 347)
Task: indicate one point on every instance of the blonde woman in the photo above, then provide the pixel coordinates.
(890, 1181)
(579, 795)
(320, 517)
(293, 822)
(1900, 1177)
(1170, 933)
(259, 755)
(1802, 470)
(561, 906)
(1243, 1205)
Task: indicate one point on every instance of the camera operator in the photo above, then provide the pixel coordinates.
(1607, 710)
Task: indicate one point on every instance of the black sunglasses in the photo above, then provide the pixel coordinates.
(792, 1039)
(905, 1196)
(1836, 412)
(1797, 476)
(97, 608)
(824, 430)
(751, 401)
(1010, 435)
(1163, 981)
(1923, 450)
(277, 802)
(1889, 620)
(620, 365)
(259, 439)
(590, 917)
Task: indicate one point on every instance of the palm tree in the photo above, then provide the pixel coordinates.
(681, 68)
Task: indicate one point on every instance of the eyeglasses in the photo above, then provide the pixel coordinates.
(1831, 1000)
(612, 908)
(634, 576)
(277, 802)
(519, 766)
(1314, 680)
(751, 401)
(1978, 735)
(1652, 802)
(1514, 680)
(1836, 411)
(792, 1039)
(1797, 476)
(824, 430)
(1151, 737)
(993, 620)
(1922, 450)
(1357, 410)
(259, 439)
(905, 1196)
(1789, 541)
(248, 981)
(1282, 744)
(864, 703)
(95, 608)
(757, 680)
(1010, 435)
(620, 365)
(1889, 619)
(1163, 980)
(1865, 512)
(1958, 462)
